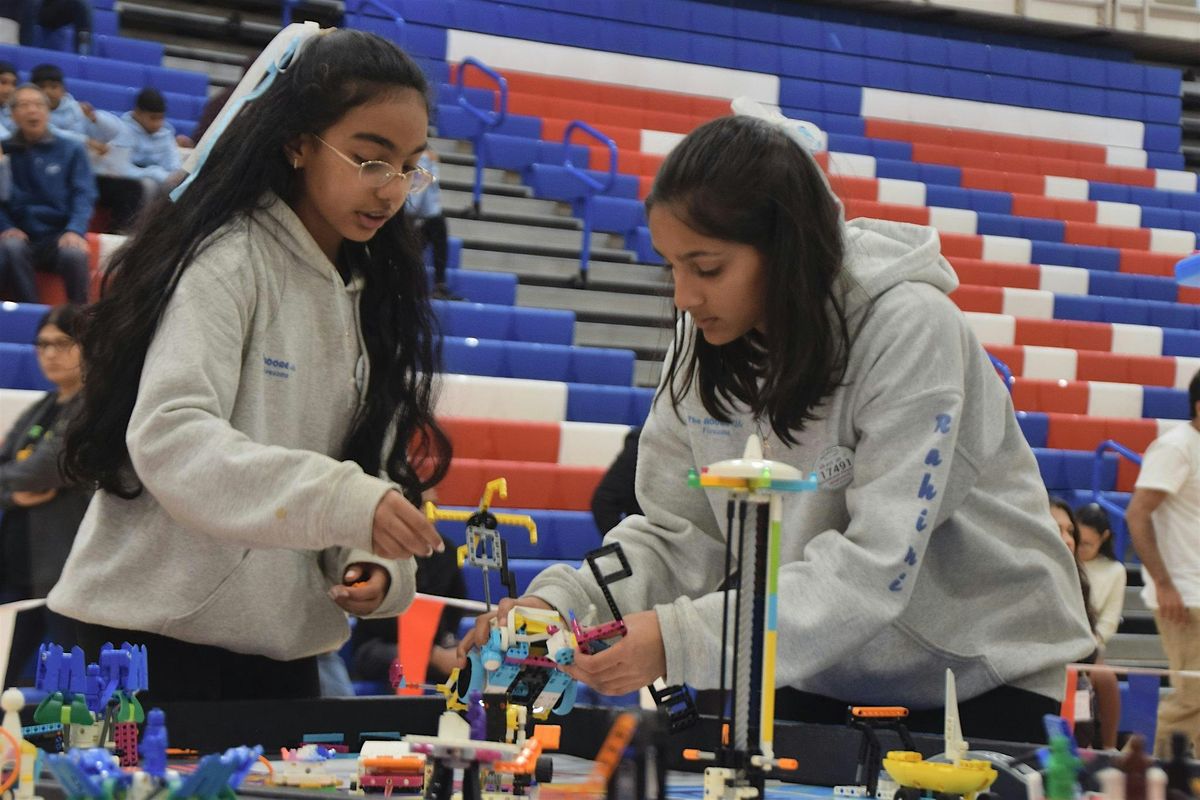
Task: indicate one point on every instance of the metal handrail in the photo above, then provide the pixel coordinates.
(488, 120)
(1115, 512)
(592, 185)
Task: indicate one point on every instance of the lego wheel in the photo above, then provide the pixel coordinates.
(907, 793)
(544, 771)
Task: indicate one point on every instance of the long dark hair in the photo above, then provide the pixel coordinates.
(1096, 518)
(1084, 584)
(65, 317)
(744, 180)
(333, 74)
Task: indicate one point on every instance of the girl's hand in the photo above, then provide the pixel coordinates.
(478, 636)
(635, 661)
(31, 499)
(400, 530)
(363, 587)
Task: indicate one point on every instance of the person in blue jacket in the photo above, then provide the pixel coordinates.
(44, 221)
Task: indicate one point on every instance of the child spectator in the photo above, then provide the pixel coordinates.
(425, 210)
(53, 194)
(1106, 576)
(140, 159)
(68, 114)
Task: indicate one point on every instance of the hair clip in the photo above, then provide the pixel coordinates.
(810, 138)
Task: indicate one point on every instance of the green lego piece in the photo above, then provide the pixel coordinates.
(1061, 771)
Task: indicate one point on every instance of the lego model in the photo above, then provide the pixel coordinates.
(390, 767)
(485, 547)
(867, 720)
(756, 488)
(95, 773)
(304, 767)
(96, 704)
(958, 776)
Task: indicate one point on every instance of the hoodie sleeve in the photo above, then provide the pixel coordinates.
(83, 191)
(403, 574)
(676, 547)
(211, 477)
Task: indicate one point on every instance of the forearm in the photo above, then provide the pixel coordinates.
(1145, 542)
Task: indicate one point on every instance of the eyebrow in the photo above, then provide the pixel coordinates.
(383, 141)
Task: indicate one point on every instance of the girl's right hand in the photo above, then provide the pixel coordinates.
(400, 530)
(478, 636)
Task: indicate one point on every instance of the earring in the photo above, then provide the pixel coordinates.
(295, 163)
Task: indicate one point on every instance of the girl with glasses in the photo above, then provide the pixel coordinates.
(259, 390)
(929, 544)
(41, 508)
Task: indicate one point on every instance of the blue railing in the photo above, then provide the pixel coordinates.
(1116, 514)
(592, 186)
(488, 120)
(354, 7)
(1005, 373)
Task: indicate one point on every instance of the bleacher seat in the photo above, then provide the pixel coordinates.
(19, 368)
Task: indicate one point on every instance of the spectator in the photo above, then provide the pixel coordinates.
(52, 15)
(425, 210)
(42, 510)
(140, 159)
(53, 192)
(70, 115)
(614, 498)
(8, 86)
(1105, 574)
(1163, 516)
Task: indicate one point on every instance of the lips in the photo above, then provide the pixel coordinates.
(373, 220)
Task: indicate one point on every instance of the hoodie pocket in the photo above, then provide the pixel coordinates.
(178, 626)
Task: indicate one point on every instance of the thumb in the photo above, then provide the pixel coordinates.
(353, 574)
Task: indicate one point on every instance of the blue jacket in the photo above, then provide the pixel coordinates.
(151, 155)
(69, 116)
(427, 204)
(53, 189)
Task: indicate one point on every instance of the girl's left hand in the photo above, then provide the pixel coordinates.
(363, 587)
(635, 661)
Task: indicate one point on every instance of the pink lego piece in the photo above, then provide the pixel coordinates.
(125, 736)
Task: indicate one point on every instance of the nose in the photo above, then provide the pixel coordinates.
(394, 191)
(686, 295)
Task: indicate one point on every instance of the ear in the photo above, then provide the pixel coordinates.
(295, 150)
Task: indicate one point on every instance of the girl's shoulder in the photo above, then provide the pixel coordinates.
(1105, 566)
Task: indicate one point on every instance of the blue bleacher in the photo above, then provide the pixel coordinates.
(506, 323)
(550, 362)
(138, 51)
(1072, 469)
(623, 405)
(19, 368)
(18, 321)
(497, 288)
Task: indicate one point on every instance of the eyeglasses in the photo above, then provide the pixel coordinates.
(378, 174)
(53, 345)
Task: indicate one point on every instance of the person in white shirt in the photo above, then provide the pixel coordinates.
(1164, 524)
(1106, 575)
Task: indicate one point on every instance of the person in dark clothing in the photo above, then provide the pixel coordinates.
(374, 641)
(51, 15)
(614, 498)
(53, 195)
(42, 510)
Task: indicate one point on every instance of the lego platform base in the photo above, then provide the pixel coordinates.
(826, 754)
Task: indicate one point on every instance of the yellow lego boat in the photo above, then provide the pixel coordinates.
(958, 775)
(966, 778)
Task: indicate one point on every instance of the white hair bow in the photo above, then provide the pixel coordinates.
(811, 138)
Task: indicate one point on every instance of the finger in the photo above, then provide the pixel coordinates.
(352, 574)
(417, 522)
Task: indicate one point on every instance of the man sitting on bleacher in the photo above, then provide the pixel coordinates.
(53, 194)
(68, 114)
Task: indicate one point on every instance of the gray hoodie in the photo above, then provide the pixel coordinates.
(247, 396)
(929, 545)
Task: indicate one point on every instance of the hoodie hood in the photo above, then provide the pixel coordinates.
(881, 255)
